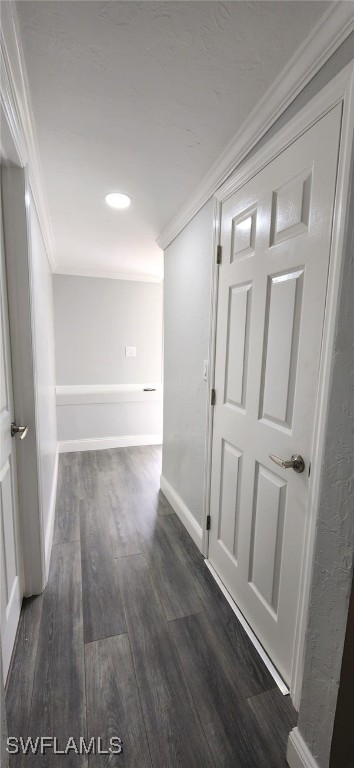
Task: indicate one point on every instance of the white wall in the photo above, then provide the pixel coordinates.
(187, 284)
(44, 361)
(100, 390)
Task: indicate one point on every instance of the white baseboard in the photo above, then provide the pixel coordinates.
(184, 514)
(100, 443)
(51, 517)
(298, 754)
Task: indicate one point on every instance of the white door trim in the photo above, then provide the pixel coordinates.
(339, 90)
(18, 255)
(211, 375)
(298, 754)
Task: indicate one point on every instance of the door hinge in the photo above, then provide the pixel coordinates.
(212, 396)
(218, 254)
(208, 521)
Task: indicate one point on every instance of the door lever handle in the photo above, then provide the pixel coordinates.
(20, 431)
(296, 462)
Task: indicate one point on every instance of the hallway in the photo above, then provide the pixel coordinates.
(132, 637)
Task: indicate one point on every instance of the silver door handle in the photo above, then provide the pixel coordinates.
(296, 462)
(20, 431)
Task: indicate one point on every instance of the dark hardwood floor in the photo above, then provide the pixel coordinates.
(132, 637)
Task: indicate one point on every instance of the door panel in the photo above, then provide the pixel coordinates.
(237, 344)
(267, 535)
(10, 591)
(275, 235)
(283, 313)
(231, 463)
(243, 234)
(291, 208)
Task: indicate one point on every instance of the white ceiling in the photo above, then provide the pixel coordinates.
(141, 97)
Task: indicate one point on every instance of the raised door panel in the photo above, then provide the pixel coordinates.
(243, 234)
(282, 326)
(230, 486)
(237, 344)
(267, 536)
(291, 208)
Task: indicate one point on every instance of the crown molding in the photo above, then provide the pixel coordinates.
(139, 277)
(326, 36)
(326, 99)
(18, 116)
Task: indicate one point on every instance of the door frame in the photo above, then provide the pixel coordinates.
(24, 188)
(340, 90)
(18, 544)
(15, 197)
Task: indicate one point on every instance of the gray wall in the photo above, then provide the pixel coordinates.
(342, 749)
(95, 318)
(187, 285)
(43, 326)
(97, 421)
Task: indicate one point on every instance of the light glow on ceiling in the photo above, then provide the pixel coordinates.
(117, 200)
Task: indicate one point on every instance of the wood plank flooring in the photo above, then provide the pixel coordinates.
(113, 705)
(58, 704)
(132, 637)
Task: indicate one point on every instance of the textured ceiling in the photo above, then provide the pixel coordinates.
(142, 97)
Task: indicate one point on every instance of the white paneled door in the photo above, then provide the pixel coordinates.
(275, 236)
(10, 586)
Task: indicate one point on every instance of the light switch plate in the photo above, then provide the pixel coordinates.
(130, 351)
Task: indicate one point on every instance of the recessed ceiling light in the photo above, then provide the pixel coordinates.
(117, 200)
